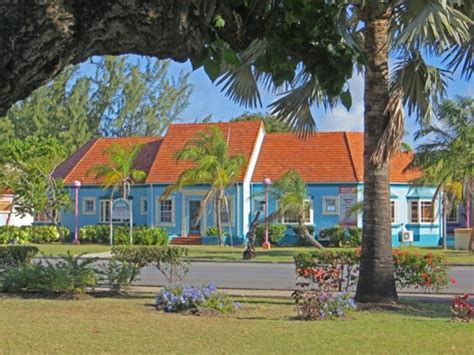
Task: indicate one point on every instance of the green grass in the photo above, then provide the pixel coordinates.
(60, 249)
(276, 254)
(120, 325)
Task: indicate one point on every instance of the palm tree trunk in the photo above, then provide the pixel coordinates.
(219, 220)
(471, 211)
(443, 222)
(376, 281)
(307, 235)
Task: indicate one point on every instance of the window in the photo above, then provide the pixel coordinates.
(166, 212)
(421, 212)
(259, 205)
(330, 205)
(144, 205)
(393, 211)
(453, 216)
(88, 206)
(226, 215)
(289, 218)
(105, 213)
(41, 217)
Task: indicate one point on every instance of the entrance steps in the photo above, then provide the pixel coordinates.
(189, 240)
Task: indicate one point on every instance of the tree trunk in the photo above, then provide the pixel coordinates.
(219, 220)
(38, 39)
(309, 238)
(471, 212)
(443, 221)
(376, 281)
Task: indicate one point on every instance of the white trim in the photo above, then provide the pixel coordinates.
(142, 205)
(330, 213)
(94, 205)
(311, 214)
(173, 212)
(248, 178)
(395, 208)
(457, 216)
(418, 201)
(104, 201)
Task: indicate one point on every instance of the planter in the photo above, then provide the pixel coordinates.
(461, 238)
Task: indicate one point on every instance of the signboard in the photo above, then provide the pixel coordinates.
(120, 209)
(347, 197)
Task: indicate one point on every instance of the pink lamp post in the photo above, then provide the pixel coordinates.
(77, 185)
(266, 184)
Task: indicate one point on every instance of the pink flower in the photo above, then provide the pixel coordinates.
(453, 281)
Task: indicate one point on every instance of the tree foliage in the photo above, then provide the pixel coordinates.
(272, 124)
(119, 98)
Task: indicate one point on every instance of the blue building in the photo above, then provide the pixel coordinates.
(330, 163)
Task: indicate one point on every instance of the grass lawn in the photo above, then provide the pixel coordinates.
(132, 325)
(276, 254)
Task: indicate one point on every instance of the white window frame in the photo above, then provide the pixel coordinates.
(330, 213)
(173, 212)
(456, 210)
(256, 203)
(103, 206)
(395, 211)
(143, 201)
(420, 217)
(94, 205)
(230, 200)
(311, 215)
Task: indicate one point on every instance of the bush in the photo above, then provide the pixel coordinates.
(462, 309)
(410, 269)
(171, 262)
(276, 232)
(14, 255)
(119, 275)
(183, 298)
(301, 240)
(31, 234)
(142, 235)
(336, 235)
(212, 232)
(355, 237)
(70, 275)
(316, 305)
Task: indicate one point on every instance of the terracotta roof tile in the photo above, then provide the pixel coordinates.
(242, 138)
(93, 154)
(323, 157)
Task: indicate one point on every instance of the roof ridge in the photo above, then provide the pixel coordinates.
(349, 150)
(82, 158)
(254, 147)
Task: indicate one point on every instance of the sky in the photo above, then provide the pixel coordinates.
(207, 99)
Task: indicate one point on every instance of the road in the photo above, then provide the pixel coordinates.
(268, 276)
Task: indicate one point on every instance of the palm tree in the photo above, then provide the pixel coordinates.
(213, 165)
(291, 194)
(376, 29)
(447, 157)
(119, 173)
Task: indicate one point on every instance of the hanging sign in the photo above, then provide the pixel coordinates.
(120, 209)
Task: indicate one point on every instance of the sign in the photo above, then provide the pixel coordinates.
(347, 197)
(120, 209)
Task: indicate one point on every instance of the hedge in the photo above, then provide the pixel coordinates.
(142, 235)
(276, 232)
(31, 234)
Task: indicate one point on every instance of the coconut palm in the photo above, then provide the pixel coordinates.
(291, 194)
(213, 165)
(447, 155)
(119, 173)
(404, 30)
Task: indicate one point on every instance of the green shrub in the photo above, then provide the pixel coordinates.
(70, 275)
(276, 232)
(355, 237)
(119, 275)
(336, 235)
(31, 234)
(14, 255)
(142, 235)
(301, 240)
(212, 232)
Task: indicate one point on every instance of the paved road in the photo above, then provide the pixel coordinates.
(271, 276)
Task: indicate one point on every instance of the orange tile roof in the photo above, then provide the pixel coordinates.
(93, 154)
(323, 157)
(242, 139)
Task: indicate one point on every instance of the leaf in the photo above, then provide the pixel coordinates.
(212, 69)
(346, 99)
(197, 60)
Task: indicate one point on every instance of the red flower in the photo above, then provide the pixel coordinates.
(453, 281)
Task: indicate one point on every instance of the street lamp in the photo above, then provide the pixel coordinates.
(266, 184)
(77, 185)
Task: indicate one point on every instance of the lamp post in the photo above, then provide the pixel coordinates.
(266, 184)
(77, 185)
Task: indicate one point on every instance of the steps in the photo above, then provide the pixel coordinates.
(189, 240)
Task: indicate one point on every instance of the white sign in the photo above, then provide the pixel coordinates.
(120, 209)
(348, 198)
